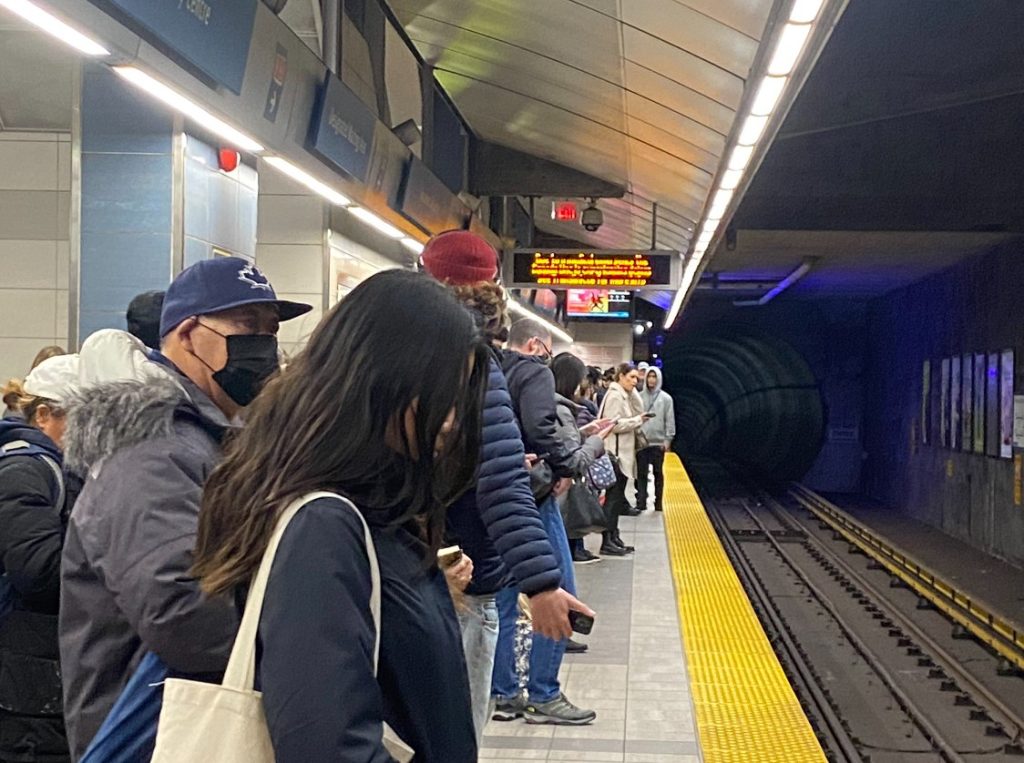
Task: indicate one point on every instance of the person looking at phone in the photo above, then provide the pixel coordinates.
(659, 430)
(624, 406)
(532, 388)
(496, 522)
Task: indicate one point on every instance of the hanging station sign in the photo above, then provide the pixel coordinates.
(343, 129)
(597, 269)
(212, 35)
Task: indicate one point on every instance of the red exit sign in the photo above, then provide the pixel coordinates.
(565, 211)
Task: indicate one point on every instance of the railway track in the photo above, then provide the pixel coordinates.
(882, 676)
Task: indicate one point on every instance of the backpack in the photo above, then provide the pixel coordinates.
(24, 448)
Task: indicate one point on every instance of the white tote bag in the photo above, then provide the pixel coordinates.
(202, 722)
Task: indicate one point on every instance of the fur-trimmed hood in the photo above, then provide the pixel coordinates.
(106, 418)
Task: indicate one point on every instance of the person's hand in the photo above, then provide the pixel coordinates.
(459, 575)
(562, 486)
(550, 612)
(666, 447)
(606, 430)
(531, 459)
(595, 427)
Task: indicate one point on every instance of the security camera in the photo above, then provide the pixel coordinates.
(592, 218)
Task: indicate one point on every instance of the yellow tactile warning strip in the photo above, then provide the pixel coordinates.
(745, 708)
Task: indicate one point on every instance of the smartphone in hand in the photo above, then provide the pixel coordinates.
(580, 622)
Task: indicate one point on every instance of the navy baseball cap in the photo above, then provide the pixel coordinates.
(212, 286)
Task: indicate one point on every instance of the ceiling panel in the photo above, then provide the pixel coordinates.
(640, 93)
(36, 79)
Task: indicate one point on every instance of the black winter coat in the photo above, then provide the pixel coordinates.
(532, 387)
(31, 535)
(497, 522)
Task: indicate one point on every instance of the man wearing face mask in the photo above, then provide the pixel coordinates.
(145, 448)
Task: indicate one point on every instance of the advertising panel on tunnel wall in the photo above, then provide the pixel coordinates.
(1006, 373)
(979, 403)
(954, 402)
(967, 403)
(944, 404)
(992, 405)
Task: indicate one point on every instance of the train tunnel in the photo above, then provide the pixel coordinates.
(745, 396)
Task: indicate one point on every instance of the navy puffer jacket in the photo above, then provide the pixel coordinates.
(497, 523)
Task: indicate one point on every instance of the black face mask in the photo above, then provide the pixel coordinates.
(252, 359)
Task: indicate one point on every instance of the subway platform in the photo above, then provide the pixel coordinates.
(679, 669)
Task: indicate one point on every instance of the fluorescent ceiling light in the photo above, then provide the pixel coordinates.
(53, 26)
(719, 204)
(519, 309)
(753, 129)
(412, 245)
(287, 168)
(377, 223)
(787, 49)
(805, 11)
(731, 179)
(192, 110)
(740, 157)
(768, 94)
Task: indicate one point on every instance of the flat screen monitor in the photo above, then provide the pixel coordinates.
(599, 304)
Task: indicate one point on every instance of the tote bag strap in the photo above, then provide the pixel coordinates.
(241, 669)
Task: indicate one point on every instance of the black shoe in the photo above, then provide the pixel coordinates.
(617, 541)
(582, 556)
(658, 508)
(575, 647)
(610, 549)
(632, 511)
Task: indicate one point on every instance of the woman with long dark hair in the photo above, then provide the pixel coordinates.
(383, 408)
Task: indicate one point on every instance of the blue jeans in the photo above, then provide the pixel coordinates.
(479, 624)
(545, 654)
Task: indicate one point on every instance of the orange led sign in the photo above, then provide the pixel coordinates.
(593, 269)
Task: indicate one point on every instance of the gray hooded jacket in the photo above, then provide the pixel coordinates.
(145, 449)
(660, 430)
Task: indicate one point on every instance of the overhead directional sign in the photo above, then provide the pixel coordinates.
(596, 269)
(343, 129)
(212, 35)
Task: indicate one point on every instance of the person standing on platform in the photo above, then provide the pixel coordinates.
(496, 522)
(659, 431)
(532, 387)
(623, 405)
(145, 448)
(35, 500)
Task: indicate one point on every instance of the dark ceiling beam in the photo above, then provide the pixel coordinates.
(496, 170)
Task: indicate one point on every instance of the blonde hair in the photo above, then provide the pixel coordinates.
(46, 353)
(17, 399)
(488, 300)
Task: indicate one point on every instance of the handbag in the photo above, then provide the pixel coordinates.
(128, 732)
(203, 722)
(582, 512)
(601, 473)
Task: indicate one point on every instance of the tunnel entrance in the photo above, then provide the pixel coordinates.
(745, 396)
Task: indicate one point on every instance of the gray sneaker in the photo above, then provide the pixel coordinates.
(509, 709)
(559, 711)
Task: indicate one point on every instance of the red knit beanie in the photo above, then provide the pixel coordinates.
(459, 257)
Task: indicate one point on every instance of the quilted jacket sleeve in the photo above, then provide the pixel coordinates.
(504, 499)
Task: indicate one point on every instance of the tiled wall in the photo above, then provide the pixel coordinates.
(126, 198)
(220, 207)
(35, 182)
(291, 250)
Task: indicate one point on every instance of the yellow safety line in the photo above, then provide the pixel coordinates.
(745, 708)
